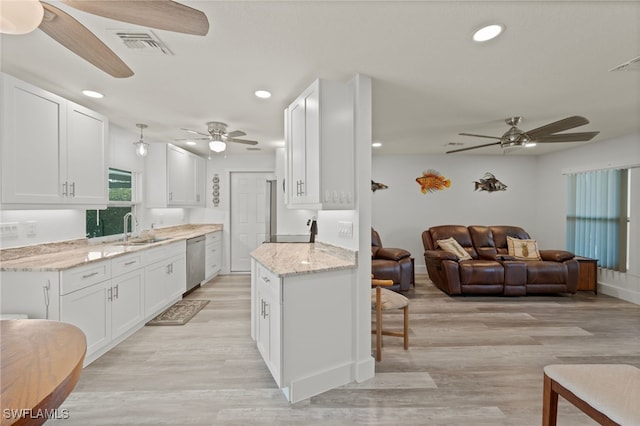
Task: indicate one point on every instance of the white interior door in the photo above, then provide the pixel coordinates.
(248, 204)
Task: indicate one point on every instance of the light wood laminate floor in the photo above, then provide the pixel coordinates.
(471, 361)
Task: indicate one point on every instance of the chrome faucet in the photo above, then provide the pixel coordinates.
(124, 227)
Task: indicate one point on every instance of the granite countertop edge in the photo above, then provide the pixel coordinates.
(63, 255)
(291, 259)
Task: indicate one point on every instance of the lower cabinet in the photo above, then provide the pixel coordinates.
(303, 328)
(165, 277)
(213, 254)
(108, 300)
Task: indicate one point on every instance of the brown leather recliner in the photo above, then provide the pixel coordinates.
(391, 264)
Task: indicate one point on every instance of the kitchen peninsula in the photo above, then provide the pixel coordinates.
(108, 290)
(302, 316)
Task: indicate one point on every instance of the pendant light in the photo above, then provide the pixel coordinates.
(141, 146)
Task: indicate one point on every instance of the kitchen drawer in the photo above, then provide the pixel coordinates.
(267, 277)
(84, 276)
(163, 252)
(124, 264)
(213, 237)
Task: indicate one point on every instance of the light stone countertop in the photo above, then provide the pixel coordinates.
(287, 259)
(70, 254)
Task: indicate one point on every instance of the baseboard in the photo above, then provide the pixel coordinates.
(322, 381)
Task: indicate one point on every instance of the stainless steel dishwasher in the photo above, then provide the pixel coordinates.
(195, 262)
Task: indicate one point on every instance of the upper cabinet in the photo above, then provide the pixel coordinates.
(53, 150)
(319, 139)
(175, 177)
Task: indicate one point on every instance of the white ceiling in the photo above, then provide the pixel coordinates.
(430, 81)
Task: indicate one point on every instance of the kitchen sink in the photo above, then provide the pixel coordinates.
(139, 241)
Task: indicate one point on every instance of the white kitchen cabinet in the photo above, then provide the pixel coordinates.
(127, 294)
(165, 277)
(319, 139)
(89, 309)
(213, 254)
(175, 177)
(302, 325)
(53, 150)
(268, 321)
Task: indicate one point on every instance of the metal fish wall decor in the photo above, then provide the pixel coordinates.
(489, 183)
(432, 181)
(377, 185)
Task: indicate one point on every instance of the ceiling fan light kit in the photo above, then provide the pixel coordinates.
(20, 17)
(141, 146)
(217, 146)
(218, 136)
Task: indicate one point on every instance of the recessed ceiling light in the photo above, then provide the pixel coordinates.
(93, 94)
(263, 94)
(191, 143)
(488, 32)
(376, 144)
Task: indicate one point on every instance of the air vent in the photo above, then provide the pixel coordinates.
(253, 148)
(143, 41)
(632, 65)
(454, 144)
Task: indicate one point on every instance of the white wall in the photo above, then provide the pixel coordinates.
(401, 213)
(552, 206)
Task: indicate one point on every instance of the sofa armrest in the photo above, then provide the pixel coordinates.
(556, 255)
(440, 255)
(391, 253)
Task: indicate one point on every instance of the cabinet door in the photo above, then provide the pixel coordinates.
(86, 156)
(33, 143)
(90, 310)
(178, 180)
(213, 259)
(127, 307)
(155, 288)
(177, 278)
(268, 323)
(296, 152)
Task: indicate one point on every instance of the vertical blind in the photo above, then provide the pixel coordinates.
(597, 217)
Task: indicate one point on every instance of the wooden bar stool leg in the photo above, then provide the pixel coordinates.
(378, 325)
(549, 403)
(406, 327)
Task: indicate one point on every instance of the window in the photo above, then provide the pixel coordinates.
(100, 223)
(598, 216)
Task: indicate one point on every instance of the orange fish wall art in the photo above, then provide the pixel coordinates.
(432, 181)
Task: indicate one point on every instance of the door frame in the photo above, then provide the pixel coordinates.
(226, 197)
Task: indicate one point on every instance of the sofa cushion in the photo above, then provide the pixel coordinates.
(481, 272)
(523, 249)
(452, 246)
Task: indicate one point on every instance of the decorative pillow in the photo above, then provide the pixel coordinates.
(452, 246)
(523, 249)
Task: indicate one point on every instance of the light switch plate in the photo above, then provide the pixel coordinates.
(345, 229)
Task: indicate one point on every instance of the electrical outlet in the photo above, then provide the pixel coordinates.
(9, 230)
(31, 227)
(345, 229)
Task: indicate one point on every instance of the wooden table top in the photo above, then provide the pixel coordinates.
(40, 363)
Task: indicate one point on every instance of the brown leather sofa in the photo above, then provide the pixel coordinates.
(391, 264)
(491, 270)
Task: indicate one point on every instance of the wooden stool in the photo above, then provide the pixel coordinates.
(608, 393)
(383, 299)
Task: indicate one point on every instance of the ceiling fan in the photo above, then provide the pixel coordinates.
(218, 136)
(516, 138)
(62, 27)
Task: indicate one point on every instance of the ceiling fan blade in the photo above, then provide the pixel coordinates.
(235, 134)
(472, 147)
(557, 126)
(244, 141)
(70, 33)
(192, 139)
(195, 132)
(163, 14)
(568, 137)
(479, 136)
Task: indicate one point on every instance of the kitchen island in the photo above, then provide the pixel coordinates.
(302, 316)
